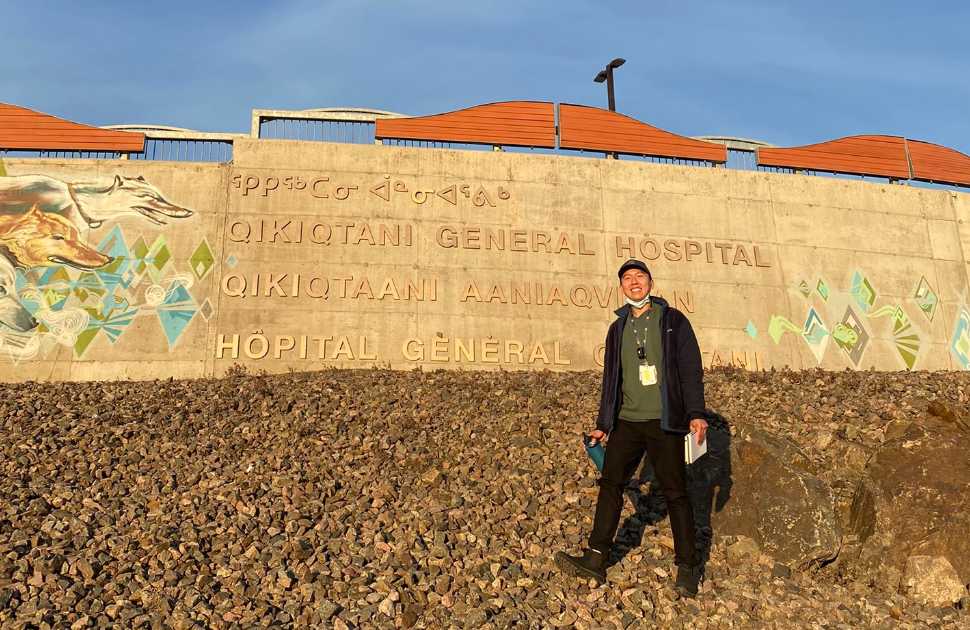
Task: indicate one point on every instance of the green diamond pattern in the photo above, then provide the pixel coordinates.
(202, 260)
(162, 254)
(140, 251)
(822, 289)
(862, 292)
(926, 298)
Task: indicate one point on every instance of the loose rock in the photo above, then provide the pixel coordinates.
(372, 498)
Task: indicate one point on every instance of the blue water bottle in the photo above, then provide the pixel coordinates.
(595, 452)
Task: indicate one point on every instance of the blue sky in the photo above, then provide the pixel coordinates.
(784, 72)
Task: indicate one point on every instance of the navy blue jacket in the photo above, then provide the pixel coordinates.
(681, 372)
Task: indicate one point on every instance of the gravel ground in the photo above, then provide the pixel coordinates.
(381, 499)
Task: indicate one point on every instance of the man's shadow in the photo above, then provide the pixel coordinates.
(708, 481)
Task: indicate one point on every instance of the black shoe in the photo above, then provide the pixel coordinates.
(688, 577)
(590, 565)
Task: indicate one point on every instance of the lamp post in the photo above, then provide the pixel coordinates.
(607, 75)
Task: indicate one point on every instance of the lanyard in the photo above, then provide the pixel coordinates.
(641, 351)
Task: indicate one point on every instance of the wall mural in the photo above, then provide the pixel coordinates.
(845, 319)
(960, 344)
(57, 291)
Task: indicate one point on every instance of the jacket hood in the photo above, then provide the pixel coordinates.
(624, 310)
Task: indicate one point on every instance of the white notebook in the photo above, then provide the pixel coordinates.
(693, 450)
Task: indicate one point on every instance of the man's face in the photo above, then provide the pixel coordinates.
(636, 284)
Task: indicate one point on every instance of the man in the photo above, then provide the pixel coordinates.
(653, 394)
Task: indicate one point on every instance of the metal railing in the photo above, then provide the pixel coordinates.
(673, 161)
(72, 155)
(185, 150)
(181, 145)
(354, 126)
(427, 144)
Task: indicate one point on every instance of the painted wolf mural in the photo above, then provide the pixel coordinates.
(91, 202)
(56, 289)
(44, 239)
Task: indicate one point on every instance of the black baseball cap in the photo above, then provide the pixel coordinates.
(633, 263)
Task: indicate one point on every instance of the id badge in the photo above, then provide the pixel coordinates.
(648, 374)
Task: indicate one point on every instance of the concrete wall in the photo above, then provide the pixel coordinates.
(351, 256)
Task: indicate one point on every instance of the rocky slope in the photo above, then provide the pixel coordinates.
(379, 499)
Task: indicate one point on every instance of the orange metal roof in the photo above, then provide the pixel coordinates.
(594, 129)
(533, 124)
(882, 156)
(22, 128)
(513, 123)
(935, 163)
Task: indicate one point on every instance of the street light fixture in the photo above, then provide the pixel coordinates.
(607, 75)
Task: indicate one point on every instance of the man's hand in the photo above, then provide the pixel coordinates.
(699, 425)
(598, 436)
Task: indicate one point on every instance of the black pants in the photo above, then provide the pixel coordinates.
(624, 450)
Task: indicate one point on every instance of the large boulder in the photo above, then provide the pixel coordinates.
(933, 580)
(759, 486)
(914, 500)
